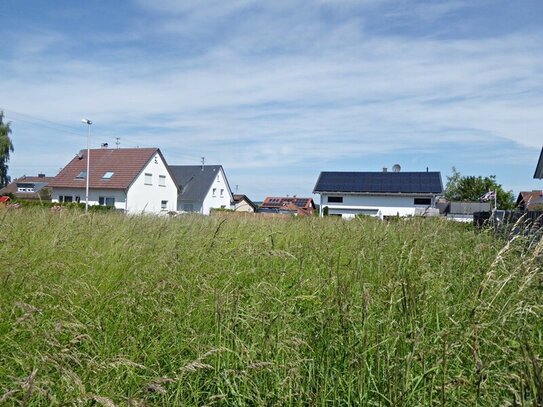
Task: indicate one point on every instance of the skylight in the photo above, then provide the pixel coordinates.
(82, 175)
(108, 175)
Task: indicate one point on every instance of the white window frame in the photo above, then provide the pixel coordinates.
(148, 178)
(164, 205)
(161, 180)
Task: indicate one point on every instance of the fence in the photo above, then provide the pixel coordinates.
(512, 223)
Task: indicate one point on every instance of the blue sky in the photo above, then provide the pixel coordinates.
(277, 91)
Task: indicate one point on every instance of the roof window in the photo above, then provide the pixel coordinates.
(82, 175)
(108, 175)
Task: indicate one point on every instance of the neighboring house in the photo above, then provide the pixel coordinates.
(294, 205)
(530, 200)
(136, 180)
(241, 203)
(463, 211)
(202, 188)
(381, 194)
(30, 188)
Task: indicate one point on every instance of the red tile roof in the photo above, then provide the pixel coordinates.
(285, 202)
(530, 199)
(125, 163)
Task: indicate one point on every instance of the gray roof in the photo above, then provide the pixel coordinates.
(380, 182)
(194, 181)
(539, 169)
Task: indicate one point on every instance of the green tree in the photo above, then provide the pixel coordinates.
(471, 188)
(6, 147)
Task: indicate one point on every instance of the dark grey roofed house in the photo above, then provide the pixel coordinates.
(201, 188)
(380, 182)
(381, 194)
(29, 188)
(539, 169)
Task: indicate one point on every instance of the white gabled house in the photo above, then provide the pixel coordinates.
(202, 188)
(381, 194)
(136, 180)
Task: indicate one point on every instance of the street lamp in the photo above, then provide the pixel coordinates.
(88, 123)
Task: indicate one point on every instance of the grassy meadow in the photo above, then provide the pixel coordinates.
(111, 310)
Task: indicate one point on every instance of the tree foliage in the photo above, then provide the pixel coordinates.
(471, 188)
(6, 147)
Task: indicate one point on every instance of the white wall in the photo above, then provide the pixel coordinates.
(243, 206)
(217, 200)
(94, 195)
(147, 198)
(375, 205)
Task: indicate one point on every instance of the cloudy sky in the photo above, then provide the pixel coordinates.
(277, 91)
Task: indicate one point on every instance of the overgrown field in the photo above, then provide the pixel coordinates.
(113, 310)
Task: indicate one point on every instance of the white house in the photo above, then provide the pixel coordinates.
(380, 194)
(202, 187)
(136, 180)
(242, 203)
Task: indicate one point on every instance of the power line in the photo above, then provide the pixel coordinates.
(69, 130)
(50, 124)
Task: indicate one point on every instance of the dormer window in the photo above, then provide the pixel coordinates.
(108, 175)
(82, 175)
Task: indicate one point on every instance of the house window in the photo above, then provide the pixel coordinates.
(163, 205)
(214, 191)
(108, 175)
(218, 178)
(148, 179)
(81, 175)
(78, 199)
(222, 193)
(423, 201)
(65, 198)
(188, 207)
(335, 199)
(106, 201)
(161, 180)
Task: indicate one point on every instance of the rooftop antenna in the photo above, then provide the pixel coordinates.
(396, 168)
(237, 188)
(117, 142)
(203, 162)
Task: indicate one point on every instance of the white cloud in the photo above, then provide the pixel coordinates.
(287, 84)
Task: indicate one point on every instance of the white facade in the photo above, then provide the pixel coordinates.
(152, 191)
(243, 206)
(350, 205)
(218, 196)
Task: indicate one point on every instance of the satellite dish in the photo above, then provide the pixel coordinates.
(396, 168)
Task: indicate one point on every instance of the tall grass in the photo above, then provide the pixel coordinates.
(107, 309)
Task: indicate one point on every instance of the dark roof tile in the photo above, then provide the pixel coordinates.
(380, 182)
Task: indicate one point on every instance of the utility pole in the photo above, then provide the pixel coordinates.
(118, 142)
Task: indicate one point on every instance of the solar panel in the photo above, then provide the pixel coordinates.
(380, 182)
